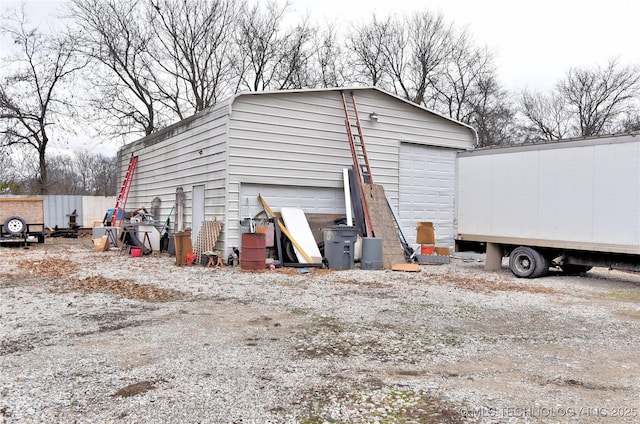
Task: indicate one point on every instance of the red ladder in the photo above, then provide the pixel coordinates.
(121, 202)
(358, 153)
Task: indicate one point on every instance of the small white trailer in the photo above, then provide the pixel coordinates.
(572, 203)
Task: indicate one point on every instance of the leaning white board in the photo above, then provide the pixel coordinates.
(298, 226)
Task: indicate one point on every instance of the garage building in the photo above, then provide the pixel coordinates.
(291, 147)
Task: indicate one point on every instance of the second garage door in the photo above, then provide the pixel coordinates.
(427, 190)
(309, 199)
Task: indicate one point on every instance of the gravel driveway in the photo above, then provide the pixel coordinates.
(93, 337)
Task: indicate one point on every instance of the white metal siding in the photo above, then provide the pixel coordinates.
(299, 139)
(292, 140)
(197, 210)
(279, 139)
(192, 154)
(427, 190)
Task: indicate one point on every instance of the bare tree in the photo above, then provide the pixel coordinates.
(96, 172)
(493, 113)
(546, 117)
(420, 46)
(328, 59)
(588, 101)
(79, 173)
(117, 36)
(33, 98)
(194, 48)
(368, 54)
(7, 174)
(105, 179)
(270, 56)
(431, 63)
(630, 121)
(463, 80)
(25, 171)
(295, 58)
(599, 96)
(64, 178)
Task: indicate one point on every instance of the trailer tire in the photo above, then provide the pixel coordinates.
(15, 226)
(526, 262)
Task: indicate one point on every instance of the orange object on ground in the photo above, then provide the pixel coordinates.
(427, 249)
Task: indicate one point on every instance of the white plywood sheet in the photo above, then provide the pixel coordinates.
(297, 224)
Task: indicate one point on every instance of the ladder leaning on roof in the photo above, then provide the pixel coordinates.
(358, 153)
(121, 201)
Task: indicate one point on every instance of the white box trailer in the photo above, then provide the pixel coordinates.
(573, 204)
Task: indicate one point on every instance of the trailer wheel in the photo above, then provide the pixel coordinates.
(15, 225)
(571, 269)
(526, 262)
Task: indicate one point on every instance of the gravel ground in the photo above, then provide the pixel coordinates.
(93, 337)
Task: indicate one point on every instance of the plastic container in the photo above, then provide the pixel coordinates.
(427, 249)
(253, 253)
(191, 258)
(339, 242)
(136, 252)
(371, 253)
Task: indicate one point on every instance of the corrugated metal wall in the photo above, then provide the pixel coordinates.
(57, 209)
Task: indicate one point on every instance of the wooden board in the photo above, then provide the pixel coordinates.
(406, 267)
(384, 225)
(298, 226)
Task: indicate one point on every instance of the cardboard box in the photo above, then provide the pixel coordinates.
(426, 234)
(100, 244)
(443, 251)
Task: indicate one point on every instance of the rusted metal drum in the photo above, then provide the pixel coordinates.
(253, 253)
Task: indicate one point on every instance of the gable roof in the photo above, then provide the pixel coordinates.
(227, 104)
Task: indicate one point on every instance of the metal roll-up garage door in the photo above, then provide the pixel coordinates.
(427, 190)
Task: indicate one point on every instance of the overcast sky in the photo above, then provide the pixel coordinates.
(534, 42)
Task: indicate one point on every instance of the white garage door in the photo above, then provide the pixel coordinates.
(309, 199)
(427, 190)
